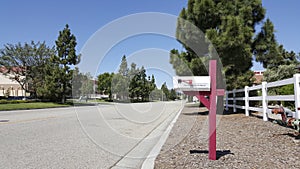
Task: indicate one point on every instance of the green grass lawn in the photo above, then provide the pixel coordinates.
(35, 105)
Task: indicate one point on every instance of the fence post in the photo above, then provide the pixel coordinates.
(226, 101)
(264, 100)
(246, 101)
(297, 95)
(234, 101)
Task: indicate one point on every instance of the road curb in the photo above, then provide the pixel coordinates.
(150, 160)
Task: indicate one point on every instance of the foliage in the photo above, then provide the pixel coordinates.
(128, 84)
(104, 84)
(120, 82)
(87, 84)
(156, 95)
(168, 94)
(123, 70)
(268, 51)
(279, 73)
(141, 86)
(166, 91)
(77, 82)
(26, 64)
(14, 101)
(60, 73)
(120, 86)
(230, 26)
(173, 95)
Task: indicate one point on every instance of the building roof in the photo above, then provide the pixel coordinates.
(13, 69)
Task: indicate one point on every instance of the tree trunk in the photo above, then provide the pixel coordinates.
(63, 100)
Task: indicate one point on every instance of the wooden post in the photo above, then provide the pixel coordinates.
(264, 101)
(234, 101)
(246, 101)
(213, 110)
(227, 101)
(214, 93)
(211, 104)
(297, 95)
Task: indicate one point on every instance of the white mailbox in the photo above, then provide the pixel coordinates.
(191, 83)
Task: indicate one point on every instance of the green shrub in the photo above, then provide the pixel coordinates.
(15, 101)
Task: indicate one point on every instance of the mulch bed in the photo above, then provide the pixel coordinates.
(242, 142)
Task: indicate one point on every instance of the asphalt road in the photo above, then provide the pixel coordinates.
(103, 136)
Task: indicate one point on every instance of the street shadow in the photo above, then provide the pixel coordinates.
(4, 121)
(84, 104)
(220, 153)
(204, 113)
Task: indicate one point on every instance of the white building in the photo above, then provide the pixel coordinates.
(9, 87)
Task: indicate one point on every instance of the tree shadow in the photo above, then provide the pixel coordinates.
(220, 153)
(260, 117)
(296, 135)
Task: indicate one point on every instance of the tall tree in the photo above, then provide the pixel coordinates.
(165, 90)
(268, 51)
(134, 87)
(25, 63)
(105, 83)
(120, 81)
(119, 86)
(77, 83)
(230, 26)
(140, 86)
(173, 95)
(87, 86)
(123, 70)
(65, 58)
(265, 46)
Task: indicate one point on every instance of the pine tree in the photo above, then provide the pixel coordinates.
(166, 91)
(65, 58)
(173, 95)
(120, 81)
(123, 70)
(229, 25)
(268, 51)
(266, 48)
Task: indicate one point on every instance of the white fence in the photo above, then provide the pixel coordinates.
(264, 97)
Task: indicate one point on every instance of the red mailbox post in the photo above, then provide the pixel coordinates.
(210, 103)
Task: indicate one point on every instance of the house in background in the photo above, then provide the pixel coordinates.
(9, 87)
(258, 75)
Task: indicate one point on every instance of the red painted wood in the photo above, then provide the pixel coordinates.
(201, 97)
(220, 92)
(196, 93)
(204, 101)
(211, 105)
(213, 110)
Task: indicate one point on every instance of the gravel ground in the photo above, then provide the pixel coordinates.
(242, 142)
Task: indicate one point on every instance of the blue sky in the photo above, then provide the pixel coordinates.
(23, 21)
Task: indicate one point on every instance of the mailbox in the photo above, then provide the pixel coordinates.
(191, 83)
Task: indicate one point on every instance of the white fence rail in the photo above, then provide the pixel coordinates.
(264, 97)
